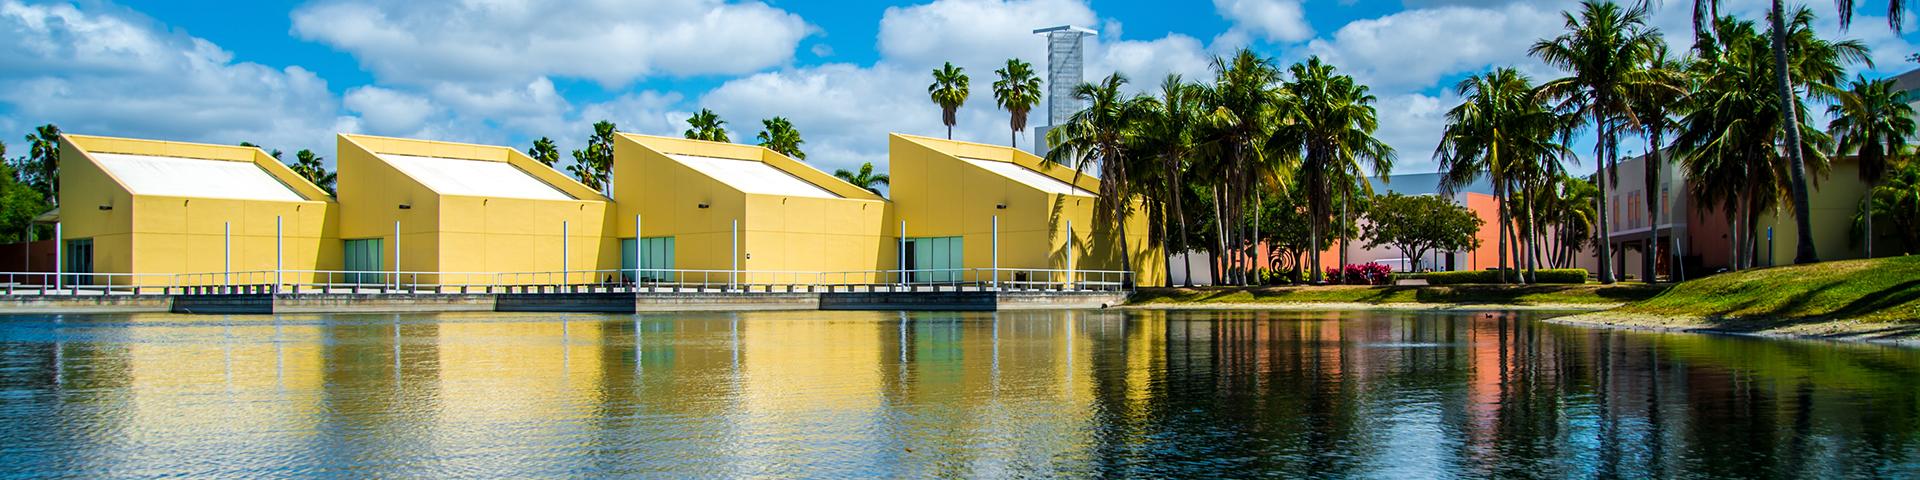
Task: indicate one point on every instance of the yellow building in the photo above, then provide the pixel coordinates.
(949, 195)
(154, 209)
(462, 209)
(696, 205)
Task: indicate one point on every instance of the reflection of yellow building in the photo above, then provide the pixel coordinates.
(466, 208)
(949, 194)
(687, 197)
(153, 207)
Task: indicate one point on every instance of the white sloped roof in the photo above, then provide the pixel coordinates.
(195, 177)
(474, 178)
(752, 176)
(1029, 177)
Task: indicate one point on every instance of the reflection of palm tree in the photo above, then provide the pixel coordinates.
(949, 91)
(780, 136)
(1331, 119)
(1102, 132)
(1706, 12)
(1603, 52)
(708, 126)
(1017, 91)
(865, 178)
(1872, 120)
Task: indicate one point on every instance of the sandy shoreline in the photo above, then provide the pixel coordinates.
(1904, 335)
(1418, 307)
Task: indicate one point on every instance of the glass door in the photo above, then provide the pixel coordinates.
(364, 261)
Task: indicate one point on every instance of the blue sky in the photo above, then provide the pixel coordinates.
(290, 74)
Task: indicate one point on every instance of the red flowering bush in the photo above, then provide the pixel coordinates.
(1370, 273)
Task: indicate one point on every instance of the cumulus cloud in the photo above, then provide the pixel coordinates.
(1416, 49)
(98, 69)
(1274, 20)
(975, 32)
(512, 41)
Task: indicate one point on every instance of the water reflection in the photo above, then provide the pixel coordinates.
(932, 394)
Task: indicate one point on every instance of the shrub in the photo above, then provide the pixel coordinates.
(1370, 273)
(1548, 276)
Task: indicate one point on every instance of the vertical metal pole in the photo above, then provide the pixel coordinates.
(563, 252)
(59, 252)
(636, 249)
(902, 267)
(226, 271)
(996, 252)
(733, 277)
(279, 252)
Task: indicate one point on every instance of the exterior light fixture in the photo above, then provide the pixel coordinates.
(703, 204)
(406, 206)
(1000, 206)
(106, 207)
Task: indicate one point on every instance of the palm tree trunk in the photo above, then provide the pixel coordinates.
(1500, 197)
(1651, 264)
(1802, 209)
(1533, 255)
(1344, 200)
(1180, 212)
(1604, 230)
(1220, 275)
(1866, 211)
(1254, 246)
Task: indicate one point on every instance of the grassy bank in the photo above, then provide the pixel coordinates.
(1877, 298)
(1578, 296)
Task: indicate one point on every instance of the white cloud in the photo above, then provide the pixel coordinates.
(513, 41)
(99, 69)
(975, 33)
(1274, 20)
(387, 111)
(1411, 123)
(1417, 49)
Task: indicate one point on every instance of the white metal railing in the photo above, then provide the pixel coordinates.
(575, 281)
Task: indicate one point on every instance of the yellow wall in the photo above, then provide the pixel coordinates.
(147, 234)
(1835, 200)
(939, 195)
(778, 233)
(454, 233)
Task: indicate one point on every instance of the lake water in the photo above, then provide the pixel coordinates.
(836, 394)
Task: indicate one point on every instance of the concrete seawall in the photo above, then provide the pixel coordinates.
(596, 302)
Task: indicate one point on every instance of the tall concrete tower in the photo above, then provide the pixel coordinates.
(1066, 63)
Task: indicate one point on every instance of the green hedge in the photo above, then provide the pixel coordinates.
(1558, 275)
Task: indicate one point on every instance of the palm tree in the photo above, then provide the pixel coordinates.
(1500, 131)
(1101, 132)
(1604, 51)
(1706, 12)
(1017, 91)
(705, 125)
(1240, 109)
(593, 166)
(1897, 200)
(865, 178)
(949, 91)
(1872, 120)
(544, 151)
(780, 136)
(307, 164)
(1729, 138)
(1167, 134)
(1329, 128)
(43, 162)
(1655, 108)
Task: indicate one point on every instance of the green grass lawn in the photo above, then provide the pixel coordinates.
(1453, 294)
(1877, 290)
